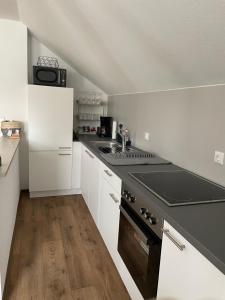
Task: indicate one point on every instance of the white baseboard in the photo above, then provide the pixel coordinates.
(55, 193)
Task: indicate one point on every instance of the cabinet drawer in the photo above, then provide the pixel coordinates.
(50, 170)
(111, 178)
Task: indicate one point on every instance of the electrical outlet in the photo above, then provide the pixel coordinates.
(147, 136)
(219, 157)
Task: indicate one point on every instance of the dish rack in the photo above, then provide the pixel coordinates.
(89, 110)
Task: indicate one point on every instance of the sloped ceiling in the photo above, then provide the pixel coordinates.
(128, 46)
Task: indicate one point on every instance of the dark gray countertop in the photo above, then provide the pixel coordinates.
(202, 225)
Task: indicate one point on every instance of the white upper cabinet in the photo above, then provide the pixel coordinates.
(186, 274)
(50, 116)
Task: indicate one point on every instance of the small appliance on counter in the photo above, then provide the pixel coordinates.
(105, 127)
(47, 72)
(114, 130)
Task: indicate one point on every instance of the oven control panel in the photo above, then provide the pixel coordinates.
(143, 209)
(128, 196)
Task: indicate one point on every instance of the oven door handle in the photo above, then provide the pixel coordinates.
(134, 225)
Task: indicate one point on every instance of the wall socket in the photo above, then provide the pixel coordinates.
(219, 157)
(147, 136)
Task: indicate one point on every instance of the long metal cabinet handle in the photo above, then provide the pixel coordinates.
(62, 154)
(108, 173)
(91, 156)
(178, 244)
(65, 148)
(113, 197)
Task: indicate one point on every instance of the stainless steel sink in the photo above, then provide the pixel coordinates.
(108, 147)
(113, 154)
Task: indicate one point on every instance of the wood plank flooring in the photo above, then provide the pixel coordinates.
(58, 253)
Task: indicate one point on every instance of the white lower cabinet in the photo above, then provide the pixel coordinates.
(90, 166)
(9, 198)
(84, 173)
(50, 170)
(109, 215)
(93, 188)
(109, 219)
(101, 189)
(76, 167)
(186, 274)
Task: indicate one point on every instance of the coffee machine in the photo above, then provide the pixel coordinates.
(105, 129)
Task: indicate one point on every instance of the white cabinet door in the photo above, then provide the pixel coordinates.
(109, 214)
(76, 169)
(50, 170)
(187, 274)
(9, 197)
(84, 174)
(90, 168)
(93, 186)
(50, 117)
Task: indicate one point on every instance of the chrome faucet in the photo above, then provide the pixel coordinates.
(124, 133)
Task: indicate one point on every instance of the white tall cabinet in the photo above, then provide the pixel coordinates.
(50, 117)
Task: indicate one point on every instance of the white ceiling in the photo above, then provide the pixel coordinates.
(127, 46)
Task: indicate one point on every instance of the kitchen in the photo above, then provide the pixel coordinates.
(94, 221)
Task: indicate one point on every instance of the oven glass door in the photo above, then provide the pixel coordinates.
(140, 250)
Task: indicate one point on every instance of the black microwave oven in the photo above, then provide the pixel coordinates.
(49, 76)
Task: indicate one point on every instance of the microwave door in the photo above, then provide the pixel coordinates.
(47, 76)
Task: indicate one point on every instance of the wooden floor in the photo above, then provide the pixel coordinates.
(58, 253)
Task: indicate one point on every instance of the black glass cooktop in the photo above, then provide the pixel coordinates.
(180, 187)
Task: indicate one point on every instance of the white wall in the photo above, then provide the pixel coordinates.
(186, 126)
(13, 81)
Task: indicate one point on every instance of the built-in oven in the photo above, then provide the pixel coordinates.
(140, 246)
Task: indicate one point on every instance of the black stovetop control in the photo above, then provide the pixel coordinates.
(143, 209)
